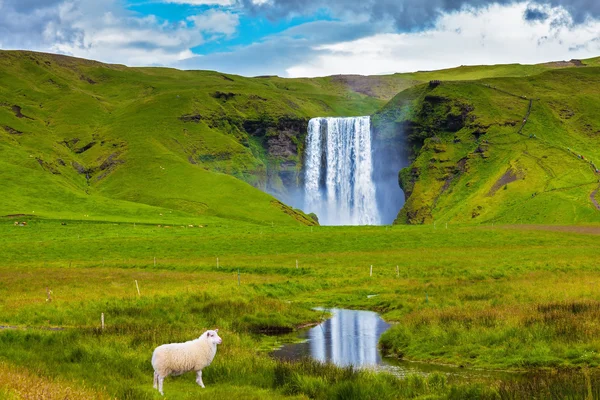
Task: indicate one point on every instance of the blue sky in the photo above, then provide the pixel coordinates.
(251, 28)
(305, 38)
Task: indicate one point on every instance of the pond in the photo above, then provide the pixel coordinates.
(351, 337)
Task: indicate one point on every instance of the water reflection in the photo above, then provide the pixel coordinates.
(349, 337)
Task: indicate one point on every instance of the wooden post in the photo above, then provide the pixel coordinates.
(137, 287)
(48, 295)
(371, 273)
(397, 272)
(102, 320)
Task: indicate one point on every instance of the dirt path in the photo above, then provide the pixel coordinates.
(526, 117)
(593, 198)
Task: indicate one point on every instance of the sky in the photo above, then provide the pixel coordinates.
(305, 38)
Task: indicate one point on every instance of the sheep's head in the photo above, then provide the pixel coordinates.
(213, 337)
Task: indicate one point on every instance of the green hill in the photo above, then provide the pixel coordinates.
(510, 150)
(81, 139)
(85, 140)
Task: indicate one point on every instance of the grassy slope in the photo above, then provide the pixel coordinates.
(145, 161)
(462, 175)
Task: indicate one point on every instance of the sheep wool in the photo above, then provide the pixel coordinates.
(179, 358)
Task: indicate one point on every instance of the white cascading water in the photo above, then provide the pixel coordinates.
(338, 178)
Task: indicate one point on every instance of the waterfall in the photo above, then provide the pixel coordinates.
(338, 180)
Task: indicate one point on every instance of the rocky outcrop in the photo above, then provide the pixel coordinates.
(283, 141)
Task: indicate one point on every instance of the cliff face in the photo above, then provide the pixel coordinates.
(282, 143)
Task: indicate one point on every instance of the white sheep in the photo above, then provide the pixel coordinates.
(179, 358)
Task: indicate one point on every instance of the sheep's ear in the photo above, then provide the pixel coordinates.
(216, 330)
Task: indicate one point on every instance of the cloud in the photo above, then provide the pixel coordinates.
(356, 37)
(105, 31)
(497, 35)
(269, 57)
(410, 15)
(216, 21)
(277, 53)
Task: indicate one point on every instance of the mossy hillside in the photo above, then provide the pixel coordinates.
(78, 136)
(474, 158)
(97, 140)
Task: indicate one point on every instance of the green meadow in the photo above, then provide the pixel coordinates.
(521, 298)
(154, 178)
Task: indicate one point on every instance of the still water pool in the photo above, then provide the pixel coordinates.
(350, 337)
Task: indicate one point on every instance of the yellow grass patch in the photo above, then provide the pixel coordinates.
(22, 384)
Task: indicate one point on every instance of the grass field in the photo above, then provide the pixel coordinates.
(508, 297)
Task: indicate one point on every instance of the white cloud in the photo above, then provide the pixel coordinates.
(494, 35)
(216, 21)
(105, 31)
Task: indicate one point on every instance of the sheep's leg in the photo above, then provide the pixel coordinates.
(161, 379)
(155, 380)
(199, 378)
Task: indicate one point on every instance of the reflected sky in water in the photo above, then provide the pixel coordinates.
(349, 337)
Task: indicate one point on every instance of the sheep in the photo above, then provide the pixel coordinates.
(179, 358)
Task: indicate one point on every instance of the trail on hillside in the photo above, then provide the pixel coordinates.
(593, 198)
(526, 117)
(538, 161)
